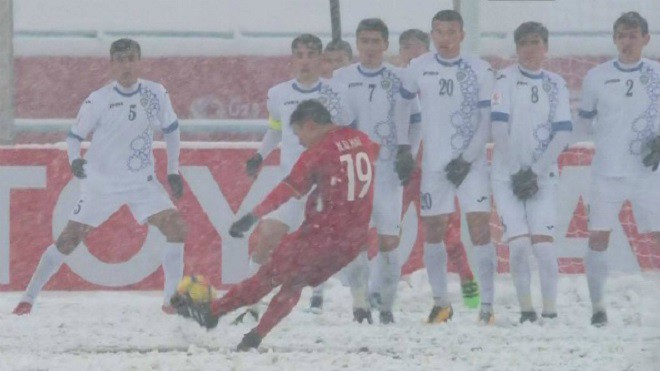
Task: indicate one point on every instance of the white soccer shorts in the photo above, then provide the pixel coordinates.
(536, 216)
(437, 192)
(609, 193)
(388, 201)
(95, 206)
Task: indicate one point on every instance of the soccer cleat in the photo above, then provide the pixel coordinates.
(486, 319)
(549, 315)
(251, 340)
(361, 314)
(22, 308)
(316, 304)
(375, 300)
(599, 319)
(253, 312)
(528, 316)
(169, 309)
(470, 292)
(386, 317)
(200, 312)
(440, 314)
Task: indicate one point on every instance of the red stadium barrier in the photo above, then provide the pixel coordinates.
(37, 192)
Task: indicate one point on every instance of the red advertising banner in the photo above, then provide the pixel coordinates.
(37, 193)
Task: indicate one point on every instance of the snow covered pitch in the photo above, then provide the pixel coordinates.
(127, 331)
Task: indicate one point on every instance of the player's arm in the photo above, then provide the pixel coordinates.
(562, 130)
(415, 133)
(85, 123)
(587, 111)
(404, 104)
(296, 184)
(499, 118)
(270, 140)
(172, 135)
(477, 145)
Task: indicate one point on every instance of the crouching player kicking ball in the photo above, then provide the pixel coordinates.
(338, 164)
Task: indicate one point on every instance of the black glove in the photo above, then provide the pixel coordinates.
(404, 163)
(457, 169)
(252, 164)
(176, 185)
(78, 169)
(525, 184)
(653, 158)
(242, 225)
(200, 312)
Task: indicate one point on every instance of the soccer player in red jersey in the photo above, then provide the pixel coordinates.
(337, 166)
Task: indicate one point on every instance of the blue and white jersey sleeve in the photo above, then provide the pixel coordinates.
(562, 118)
(486, 77)
(274, 115)
(409, 84)
(589, 97)
(88, 117)
(166, 115)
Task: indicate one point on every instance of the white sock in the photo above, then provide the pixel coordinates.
(318, 290)
(519, 251)
(596, 265)
(50, 263)
(357, 276)
(172, 268)
(546, 256)
(486, 259)
(375, 275)
(435, 260)
(390, 273)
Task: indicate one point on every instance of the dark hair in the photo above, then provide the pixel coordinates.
(448, 15)
(309, 40)
(311, 109)
(632, 20)
(340, 45)
(373, 24)
(123, 45)
(530, 28)
(414, 33)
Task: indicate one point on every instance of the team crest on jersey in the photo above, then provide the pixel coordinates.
(385, 84)
(644, 79)
(460, 75)
(546, 87)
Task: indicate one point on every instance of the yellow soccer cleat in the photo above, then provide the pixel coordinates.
(440, 314)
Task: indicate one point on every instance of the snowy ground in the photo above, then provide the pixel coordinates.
(127, 331)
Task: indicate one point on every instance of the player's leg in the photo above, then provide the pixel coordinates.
(474, 195)
(356, 274)
(458, 256)
(316, 301)
(516, 231)
(541, 217)
(607, 195)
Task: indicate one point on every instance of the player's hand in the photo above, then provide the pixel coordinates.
(252, 164)
(404, 164)
(176, 185)
(78, 168)
(457, 169)
(242, 225)
(653, 159)
(524, 184)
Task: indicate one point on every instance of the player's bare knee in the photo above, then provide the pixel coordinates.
(387, 243)
(171, 225)
(537, 238)
(71, 237)
(260, 254)
(479, 228)
(599, 240)
(436, 226)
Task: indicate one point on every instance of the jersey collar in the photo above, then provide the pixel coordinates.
(529, 74)
(448, 63)
(370, 73)
(297, 87)
(130, 94)
(619, 67)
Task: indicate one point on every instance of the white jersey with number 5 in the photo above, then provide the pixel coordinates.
(120, 156)
(535, 106)
(283, 100)
(625, 105)
(372, 96)
(451, 93)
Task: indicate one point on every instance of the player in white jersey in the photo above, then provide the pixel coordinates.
(412, 44)
(337, 54)
(531, 127)
(620, 104)
(373, 89)
(282, 101)
(118, 168)
(455, 94)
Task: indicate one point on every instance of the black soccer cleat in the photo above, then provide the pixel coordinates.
(599, 319)
(200, 312)
(251, 340)
(549, 315)
(361, 314)
(252, 312)
(316, 304)
(386, 317)
(528, 316)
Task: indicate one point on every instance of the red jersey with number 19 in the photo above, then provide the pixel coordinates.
(341, 168)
